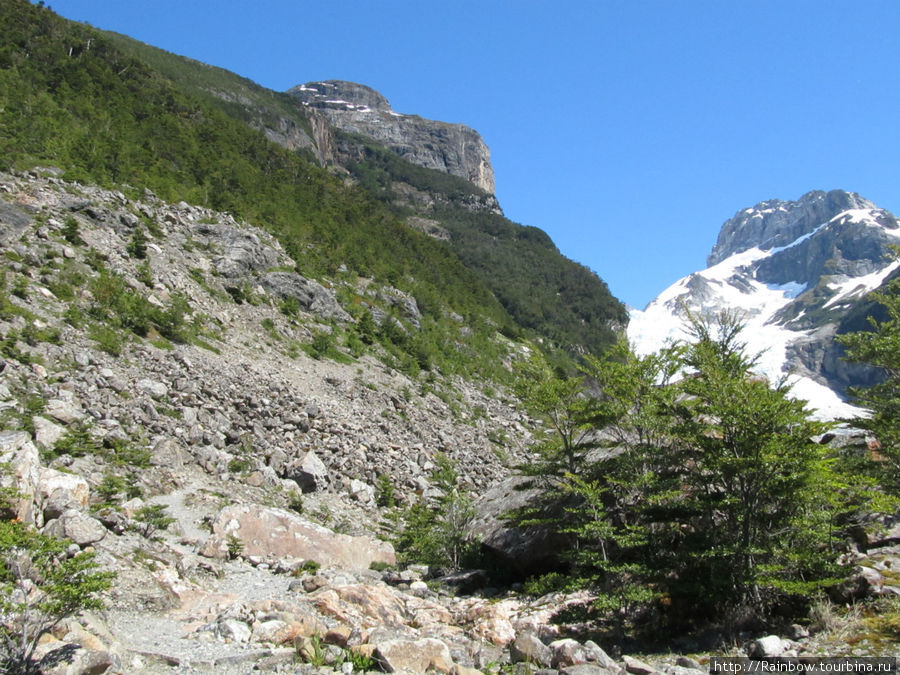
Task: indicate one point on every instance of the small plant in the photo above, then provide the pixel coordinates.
(110, 488)
(380, 566)
(239, 465)
(295, 502)
(144, 275)
(76, 442)
(312, 651)
(309, 567)
(360, 662)
(321, 344)
(108, 339)
(384, 492)
(137, 245)
(70, 232)
(151, 519)
(20, 288)
(235, 546)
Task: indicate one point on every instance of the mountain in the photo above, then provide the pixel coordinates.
(798, 272)
(354, 108)
(433, 176)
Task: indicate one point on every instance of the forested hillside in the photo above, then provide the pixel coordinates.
(544, 292)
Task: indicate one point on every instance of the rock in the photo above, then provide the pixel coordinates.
(23, 463)
(527, 550)
(67, 487)
(72, 659)
(74, 525)
(414, 656)
(338, 635)
(167, 453)
(310, 295)
(602, 659)
(637, 667)
(862, 583)
(65, 410)
(567, 652)
(450, 148)
(233, 630)
(588, 669)
(151, 388)
(766, 647)
(465, 582)
(362, 491)
(527, 648)
(277, 534)
(309, 473)
(46, 433)
(492, 621)
(692, 664)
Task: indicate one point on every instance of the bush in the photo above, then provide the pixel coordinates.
(39, 587)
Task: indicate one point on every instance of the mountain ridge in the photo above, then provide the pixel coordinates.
(795, 270)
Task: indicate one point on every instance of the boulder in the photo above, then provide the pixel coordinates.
(64, 409)
(414, 656)
(310, 295)
(74, 525)
(66, 487)
(567, 652)
(152, 388)
(527, 648)
(278, 534)
(766, 647)
(46, 433)
(637, 667)
(527, 551)
(20, 470)
(167, 453)
(309, 472)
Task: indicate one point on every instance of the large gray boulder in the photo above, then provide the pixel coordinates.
(312, 296)
(525, 550)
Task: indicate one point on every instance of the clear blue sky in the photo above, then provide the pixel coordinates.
(628, 130)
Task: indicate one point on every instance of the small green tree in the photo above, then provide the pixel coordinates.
(880, 347)
(137, 245)
(40, 585)
(437, 534)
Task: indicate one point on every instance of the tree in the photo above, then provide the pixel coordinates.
(437, 534)
(704, 495)
(562, 406)
(880, 347)
(40, 585)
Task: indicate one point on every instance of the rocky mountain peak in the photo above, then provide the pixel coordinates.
(357, 109)
(340, 95)
(774, 222)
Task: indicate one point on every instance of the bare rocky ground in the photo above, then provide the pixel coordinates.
(264, 457)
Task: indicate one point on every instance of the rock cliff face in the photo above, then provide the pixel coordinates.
(795, 269)
(451, 148)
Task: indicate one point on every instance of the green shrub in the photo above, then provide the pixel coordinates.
(40, 585)
(137, 245)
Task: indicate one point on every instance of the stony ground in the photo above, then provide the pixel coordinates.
(264, 457)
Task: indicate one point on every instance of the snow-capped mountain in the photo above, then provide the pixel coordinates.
(794, 270)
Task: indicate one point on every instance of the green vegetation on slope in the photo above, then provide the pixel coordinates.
(542, 290)
(69, 96)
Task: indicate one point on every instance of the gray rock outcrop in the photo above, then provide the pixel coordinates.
(450, 148)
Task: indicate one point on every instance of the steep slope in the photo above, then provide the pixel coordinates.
(795, 270)
(435, 177)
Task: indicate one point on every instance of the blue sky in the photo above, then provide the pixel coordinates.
(628, 130)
